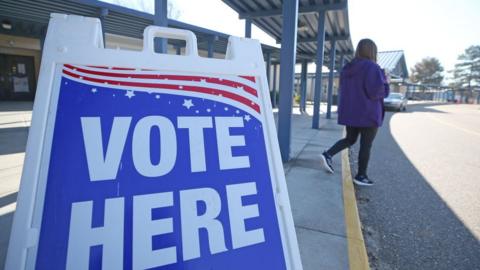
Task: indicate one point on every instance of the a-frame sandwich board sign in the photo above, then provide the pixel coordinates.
(139, 160)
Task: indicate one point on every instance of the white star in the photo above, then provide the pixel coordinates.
(237, 111)
(66, 83)
(187, 103)
(129, 94)
(196, 111)
(226, 108)
(113, 95)
(208, 110)
(157, 96)
(247, 118)
(94, 90)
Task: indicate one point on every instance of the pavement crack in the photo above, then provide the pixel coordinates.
(320, 231)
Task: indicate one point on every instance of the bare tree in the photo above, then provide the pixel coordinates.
(172, 11)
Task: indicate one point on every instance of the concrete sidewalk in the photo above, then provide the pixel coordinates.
(317, 198)
(14, 123)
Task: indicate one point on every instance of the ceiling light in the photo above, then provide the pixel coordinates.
(303, 28)
(7, 25)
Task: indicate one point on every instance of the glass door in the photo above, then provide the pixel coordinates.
(17, 77)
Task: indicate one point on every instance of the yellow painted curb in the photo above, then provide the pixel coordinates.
(357, 253)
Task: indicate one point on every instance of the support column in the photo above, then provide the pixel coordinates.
(318, 72)
(211, 47)
(287, 73)
(43, 34)
(268, 67)
(248, 28)
(103, 15)
(340, 67)
(330, 78)
(303, 86)
(274, 88)
(342, 62)
(160, 19)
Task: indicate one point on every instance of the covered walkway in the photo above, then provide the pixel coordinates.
(309, 31)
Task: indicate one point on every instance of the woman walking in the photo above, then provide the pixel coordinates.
(363, 86)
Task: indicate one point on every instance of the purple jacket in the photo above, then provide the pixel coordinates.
(363, 87)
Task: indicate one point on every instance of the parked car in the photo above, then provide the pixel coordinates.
(395, 101)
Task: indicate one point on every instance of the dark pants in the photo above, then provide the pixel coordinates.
(366, 140)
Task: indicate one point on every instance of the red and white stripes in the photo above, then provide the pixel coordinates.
(239, 89)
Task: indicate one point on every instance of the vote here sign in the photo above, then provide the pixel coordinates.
(158, 170)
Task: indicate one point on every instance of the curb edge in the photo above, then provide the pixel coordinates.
(357, 252)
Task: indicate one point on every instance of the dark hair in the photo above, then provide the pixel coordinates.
(366, 49)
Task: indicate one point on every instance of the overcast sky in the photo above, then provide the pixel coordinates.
(422, 28)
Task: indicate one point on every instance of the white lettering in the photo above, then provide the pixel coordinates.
(226, 141)
(141, 146)
(192, 222)
(195, 126)
(105, 167)
(82, 236)
(101, 168)
(238, 213)
(144, 228)
(192, 219)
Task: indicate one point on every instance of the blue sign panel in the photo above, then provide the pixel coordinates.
(158, 172)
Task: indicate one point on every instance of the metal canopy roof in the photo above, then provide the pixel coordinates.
(267, 15)
(394, 62)
(30, 18)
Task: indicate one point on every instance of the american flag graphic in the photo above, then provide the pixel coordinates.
(238, 91)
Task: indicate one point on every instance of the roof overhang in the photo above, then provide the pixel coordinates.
(30, 19)
(267, 15)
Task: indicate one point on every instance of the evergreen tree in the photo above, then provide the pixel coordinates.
(427, 71)
(467, 71)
